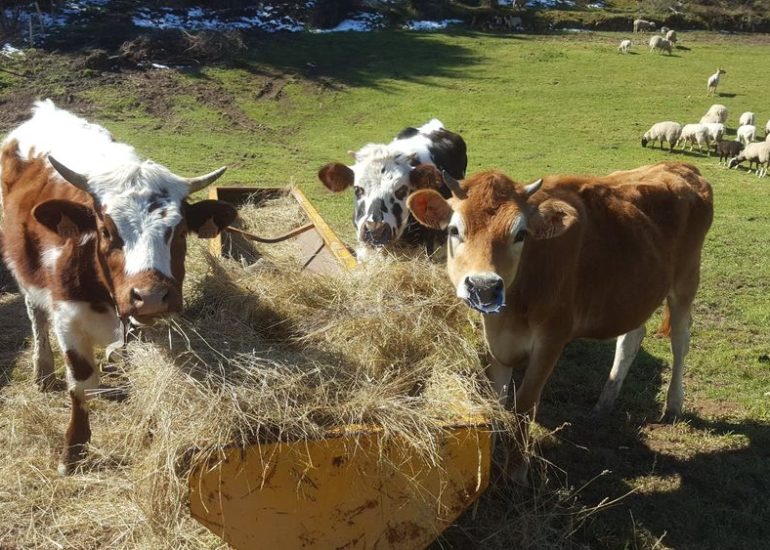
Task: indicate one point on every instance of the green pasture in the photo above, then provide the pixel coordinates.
(530, 106)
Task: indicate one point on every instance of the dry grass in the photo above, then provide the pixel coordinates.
(272, 354)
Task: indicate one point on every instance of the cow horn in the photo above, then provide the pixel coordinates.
(196, 184)
(454, 185)
(78, 180)
(532, 188)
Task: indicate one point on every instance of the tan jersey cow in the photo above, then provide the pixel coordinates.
(574, 256)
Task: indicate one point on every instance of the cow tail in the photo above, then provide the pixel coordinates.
(665, 324)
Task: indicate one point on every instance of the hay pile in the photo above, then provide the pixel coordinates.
(272, 354)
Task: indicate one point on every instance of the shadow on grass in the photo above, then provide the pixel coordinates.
(692, 496)
(727, 94)
(14, 330)
(361, 59)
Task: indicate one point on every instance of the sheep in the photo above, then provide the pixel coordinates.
(713, 81)
(671, 36)
(754, 152)
(664, 30)
(663, 131)
(696, 133)
(747, 118)
(661, 44)
(716, 113)
(625, 45)
(767, 128)
(641, 25)
(715, 129)
(746, 134)
(727, 150)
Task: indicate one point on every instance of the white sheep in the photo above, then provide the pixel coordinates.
(746, 134)
(664, 30)
(663, 131)
(660, 44)
(747, 118)
(625, 45)
(754, 152)
(716, 130)
(767, 128)
(713, 81)
(716, 113)
(696, 133)
(671, 36)
(643, 25)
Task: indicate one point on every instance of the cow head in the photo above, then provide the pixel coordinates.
(488, 221)
(140, 222)
(381, 179)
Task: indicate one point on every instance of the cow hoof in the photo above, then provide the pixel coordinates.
(598, 414)
(670, 417)
(71, 459)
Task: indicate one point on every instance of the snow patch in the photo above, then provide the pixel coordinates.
(199, 18)
(361, 22)
(9, 51)
(430, 25)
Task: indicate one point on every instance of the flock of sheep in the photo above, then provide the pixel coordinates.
(711, 129)
(663, 42)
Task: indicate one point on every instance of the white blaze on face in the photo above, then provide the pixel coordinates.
(145, 216)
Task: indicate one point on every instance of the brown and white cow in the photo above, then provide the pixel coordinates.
(93, 235)
(574, 257)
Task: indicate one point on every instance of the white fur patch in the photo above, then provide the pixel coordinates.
(50, 256)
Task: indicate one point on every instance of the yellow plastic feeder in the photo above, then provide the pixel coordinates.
(355, 488)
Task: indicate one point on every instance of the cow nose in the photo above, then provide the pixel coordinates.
(377, 233)
(485, 292)
(150, 300)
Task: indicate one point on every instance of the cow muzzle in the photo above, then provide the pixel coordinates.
(153, 300)
(483, 292)
(377, 233)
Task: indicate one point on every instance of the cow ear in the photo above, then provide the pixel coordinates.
(336, 177)
(426, 176)
(429, 208)
(552, 218)
(65, 218)
(209, 218)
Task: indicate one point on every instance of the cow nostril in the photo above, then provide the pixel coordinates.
(498, 285)
(136, 298)
(164, 298)
(469, 283)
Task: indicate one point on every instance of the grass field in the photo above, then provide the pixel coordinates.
(529, 105)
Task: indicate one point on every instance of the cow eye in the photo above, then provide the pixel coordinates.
(401, 192)
(105, 234)
(359, 191)
(453, 231)
(521, 234)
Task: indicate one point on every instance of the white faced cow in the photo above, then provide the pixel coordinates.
(384, 175)
(575, 256)
(93, 235)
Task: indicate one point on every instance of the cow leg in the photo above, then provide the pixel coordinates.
(82, 375)
(679, 308)
(500, 375)
(539, 368)
(42, 356)
(626, 348)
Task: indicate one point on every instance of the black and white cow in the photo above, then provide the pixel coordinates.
(383, 176)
